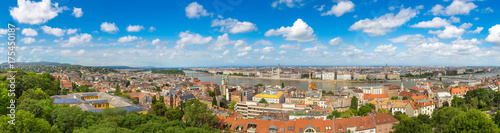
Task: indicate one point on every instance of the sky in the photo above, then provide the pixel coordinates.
(212, 33)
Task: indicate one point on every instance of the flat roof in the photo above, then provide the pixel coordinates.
(63, 101)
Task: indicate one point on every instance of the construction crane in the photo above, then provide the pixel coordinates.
(334, 86)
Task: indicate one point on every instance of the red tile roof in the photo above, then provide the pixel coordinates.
(374, 96)
(384, 119)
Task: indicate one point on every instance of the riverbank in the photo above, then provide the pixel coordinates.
(315, 80)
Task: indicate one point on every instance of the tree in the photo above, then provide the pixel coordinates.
(282, 85)
(214, 101)
(330, 92)
(67, 118)
(25, 123)
(394, 98)
(412, 126)
(173, 114)
(138, 90)
(354, 103)
(127, 84)
(106, 127)
(346, 114)
(323, 92)
(211, 93)
(363, 110)
(263, 101)
(442, 117)
(335, 114)
(457, 101)
(424, 118)
(118, 92)
(159, 109)
(231, 107)
(197, 113)
(472, 121)
(35, 94)
(405, 98)
(474, 97)
(496, 117)
(39, 108)
(383, 111)
(260, 84)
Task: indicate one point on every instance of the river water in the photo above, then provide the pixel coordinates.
(302, 85)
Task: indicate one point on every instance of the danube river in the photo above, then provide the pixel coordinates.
(303, 84)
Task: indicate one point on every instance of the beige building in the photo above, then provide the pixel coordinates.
(250, 110)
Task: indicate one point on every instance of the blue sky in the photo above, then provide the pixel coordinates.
(254, 33)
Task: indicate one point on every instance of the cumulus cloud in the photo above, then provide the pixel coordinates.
(109, 27)
(221, 43)
(77, 12)
(226, 52)
(135, 28)
(335, 41)
(449, 32)
(494, 35)
(31, 12)
(385, 23)
(234, 26)
(290, 46)
(288, 3)
(455, 19)
(388, 49)
(242, 54)
(300, 32)
(28, 40)
(151, 29)
(465, 26)
(195, 10)
(80, 52)
(262, 42)
(188, 38)
(29, 32)
(282, 52)
(315, 48)
(53, 31)
(477, 30)
(339, 9)
(156, 41)
(242, 46)
(351, 50)
(436, 22)
(77, 40)
(457, 7)
(319, 8)
(127, 39)
(71, 31)
(265, 50)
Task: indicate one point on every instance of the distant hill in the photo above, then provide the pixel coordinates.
(35, 63)
(116, 67)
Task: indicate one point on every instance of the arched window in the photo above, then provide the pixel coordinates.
(310, 131)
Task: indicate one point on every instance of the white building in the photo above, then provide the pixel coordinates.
(328, 76)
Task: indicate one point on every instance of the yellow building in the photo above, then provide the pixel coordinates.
(90, 96)
(270, 97)
(100, 104)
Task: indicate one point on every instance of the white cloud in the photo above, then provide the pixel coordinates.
(288, 3)
(290, 46)
(494, 35)
(187, 38)
(135, 28)
(487, 10)
(127, 39)
(195, 10)
(476, 18)
(457, 7)
(71, 31)
(351, 50)
(242, 46)
(339, 9)
(77, 40)
(300, 32)
(388, 49)
(155, 41)
(3, 32)
(151, 29)
(465, 26)
(226, 52)
(109, 27)
(449, 32)
(319, 8)
(265, 50)
(80, 52)
(282, 52)
(53, 31)
(234, 26)
(262, 42)
(221, 43)
(436, 22)
(77, 12)
(335, 41)
(455, 19)
(477, 30)
(29, 32)
(315, 48)
(32, 12)
(28, 40)
(242, 54)
(386, 23)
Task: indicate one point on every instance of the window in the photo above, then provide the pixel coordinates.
(385, 127)
(317, 129)
(300, 129)
(379, 128)
(310, 131)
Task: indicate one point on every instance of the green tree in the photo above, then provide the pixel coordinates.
(26, 123)
(39, 108)
(394, 98)
(472, 121)
(442, 117)
(347, 114)
(67, 118)
(282, 85)
(496, 117)
(263, 101)
(173, 114)
(106, 127)
(457, 101)
(383, 111)
(197, 113)
(405, 98)
(354, 103)
(214, 101)
(137, 90)
(231, 107)
(260, 84)
(363, 110)
(334, 113)
(35, 94)
(412, 126)
(159, 109)
(424, 118)
(118, 91)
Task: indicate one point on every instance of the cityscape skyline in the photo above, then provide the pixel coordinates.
(221, 33)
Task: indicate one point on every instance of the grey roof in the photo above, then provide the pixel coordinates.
(99, 101)
(86, 106)
(187, 97)
(62, 101)
(132, 108)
